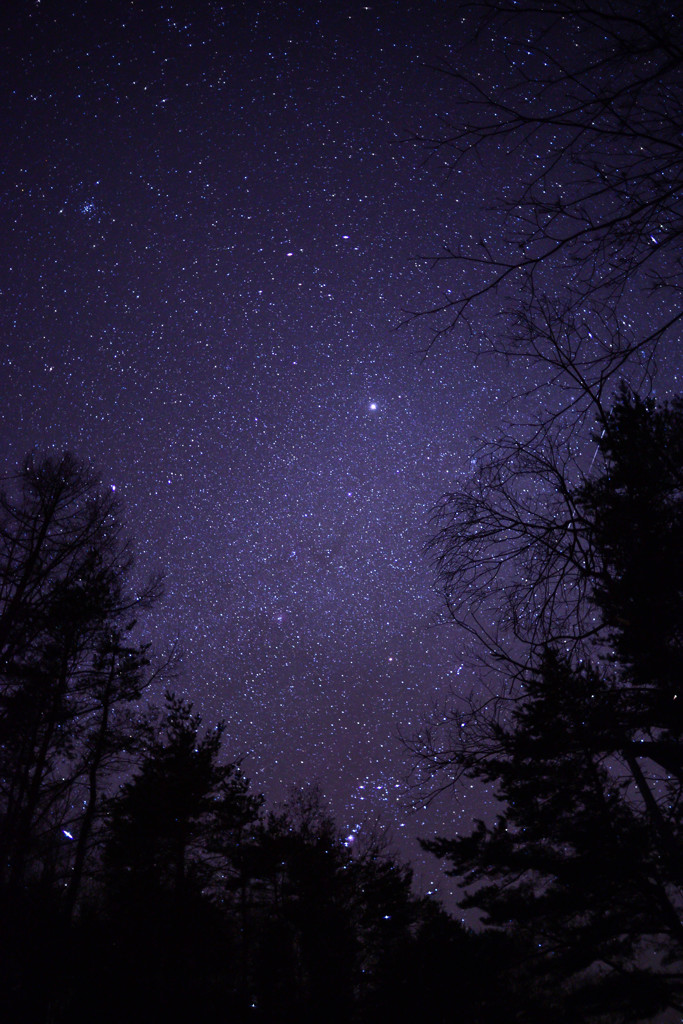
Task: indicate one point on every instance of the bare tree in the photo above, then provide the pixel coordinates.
(580, 257)
(511, 552)
(582, 248)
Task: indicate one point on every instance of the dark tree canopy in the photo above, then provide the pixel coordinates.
(522, 547)
(560, 558)
(583, 864)
(171, 828)
(140, 878)
(70, 670)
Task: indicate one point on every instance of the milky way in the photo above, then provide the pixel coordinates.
(210, 224)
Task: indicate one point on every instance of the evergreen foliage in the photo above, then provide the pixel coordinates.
(583, 864)
(140, 878)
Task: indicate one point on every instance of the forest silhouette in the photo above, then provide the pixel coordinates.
(141, 877)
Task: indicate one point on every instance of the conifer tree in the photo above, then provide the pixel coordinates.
(583, 865)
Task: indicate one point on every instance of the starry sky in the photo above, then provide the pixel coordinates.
(210, 229)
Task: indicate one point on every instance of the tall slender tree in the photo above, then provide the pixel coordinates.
(70, 670)
(71, 676)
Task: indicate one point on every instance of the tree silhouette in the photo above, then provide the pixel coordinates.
(325, 920)
(68, 671)
(168, 827)
(71, 674)
(139, 878)
(438, 969)
(171, 852)
(574, 275)
(510, 549)
(635, 513)
(584, 99)
(583, 864)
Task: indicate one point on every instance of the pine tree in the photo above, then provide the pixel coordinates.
(172, 827)
(171, 869)
(583, 865)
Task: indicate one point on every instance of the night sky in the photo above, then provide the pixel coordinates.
(210, 222)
